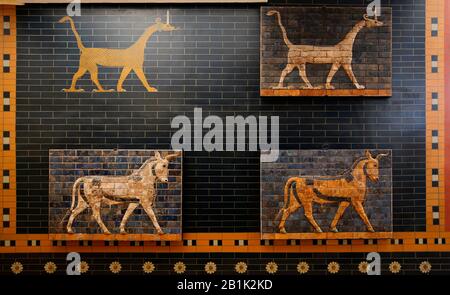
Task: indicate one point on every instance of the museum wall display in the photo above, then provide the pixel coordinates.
(353, 98)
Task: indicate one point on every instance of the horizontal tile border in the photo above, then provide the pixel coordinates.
(213, 265)
(247, 242)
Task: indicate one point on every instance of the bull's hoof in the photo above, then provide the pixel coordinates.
(319, 230)
(283, 230)
(371, 230)
(69, 231)
(160, 232)
(123, 232)
(334, 230)
(107, 232)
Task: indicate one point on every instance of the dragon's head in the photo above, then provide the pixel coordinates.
(372, 22)
(164, 27)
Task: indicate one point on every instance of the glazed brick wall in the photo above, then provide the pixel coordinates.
(213, 63)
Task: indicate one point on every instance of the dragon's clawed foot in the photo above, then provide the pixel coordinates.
(73, 90)
(334, 230)
(152, 89)
(121, 90)
(103, 90)
(361, 87)
(330, 87)
(283, 230)
(310, 87)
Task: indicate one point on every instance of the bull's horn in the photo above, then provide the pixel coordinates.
(172, 156)
(382, 155)
(366, 17)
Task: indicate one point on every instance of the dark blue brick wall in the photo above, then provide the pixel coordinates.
(213, 63)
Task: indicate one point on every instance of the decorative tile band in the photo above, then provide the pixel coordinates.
(7, 122)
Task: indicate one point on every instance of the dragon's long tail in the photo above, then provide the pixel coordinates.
(72, 25)
(283, 30)
(288, 194)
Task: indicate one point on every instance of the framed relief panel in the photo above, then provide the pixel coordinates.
(325, 51)
(320, 194)
(115, 194)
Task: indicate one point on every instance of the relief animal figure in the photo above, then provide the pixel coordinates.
(339, 55)
(131, 58)
(136, 189)
(347, 189)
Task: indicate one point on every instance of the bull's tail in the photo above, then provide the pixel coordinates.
(288, 194)
(76, 189)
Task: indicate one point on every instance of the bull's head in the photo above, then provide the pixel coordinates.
(162, 166)
(372, 166)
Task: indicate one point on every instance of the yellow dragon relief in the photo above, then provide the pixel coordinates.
(131, 58)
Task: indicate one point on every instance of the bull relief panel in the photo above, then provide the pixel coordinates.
(321, 194)
(326, 51)
(115, 194)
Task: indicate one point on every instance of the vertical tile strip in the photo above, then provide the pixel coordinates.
(435, 113)
(8, 119)
(447, 117)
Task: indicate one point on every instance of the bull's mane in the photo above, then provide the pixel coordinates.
(147, 162)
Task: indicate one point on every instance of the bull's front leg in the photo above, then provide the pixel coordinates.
(129, 211)
(147, 205)
(360, 209)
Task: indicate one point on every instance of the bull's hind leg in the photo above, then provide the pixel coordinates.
(337, 217)
(82, 205)
(286, 213)
(96, 213)
(129, 211)
(309, 215)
